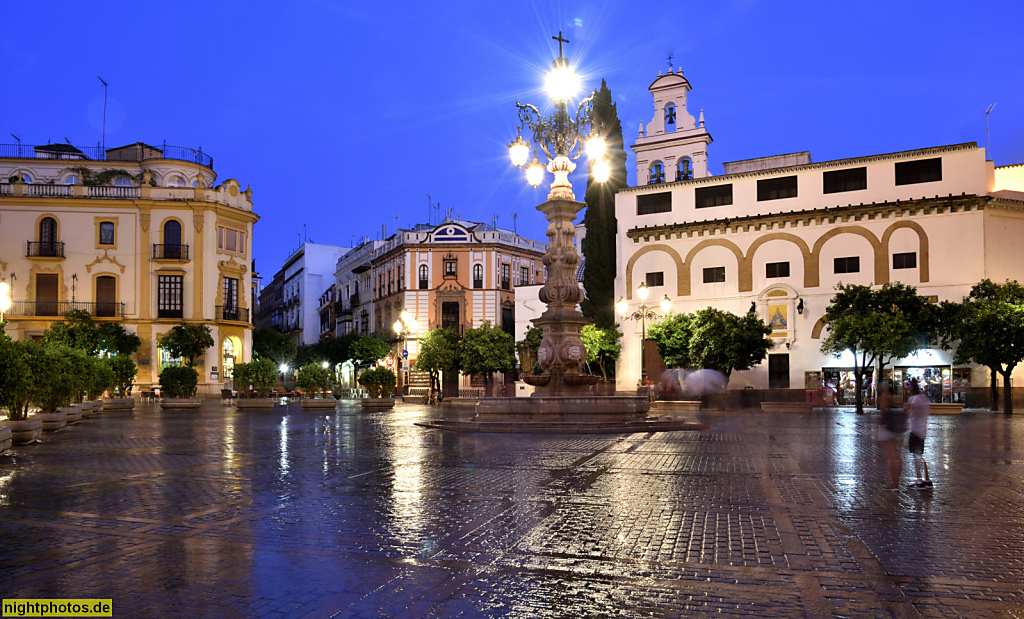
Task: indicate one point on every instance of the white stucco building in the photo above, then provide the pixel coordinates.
(781, 232)
(307, 272)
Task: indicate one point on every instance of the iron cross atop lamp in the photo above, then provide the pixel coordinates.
(643, 313)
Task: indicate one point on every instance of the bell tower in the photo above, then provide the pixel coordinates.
(674, 145)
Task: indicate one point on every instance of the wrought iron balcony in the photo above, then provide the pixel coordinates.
(45, 249)
(60, 308)
(164, 251)
(228, 312)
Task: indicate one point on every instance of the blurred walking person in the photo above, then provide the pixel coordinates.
(919, 409)
(892, 423)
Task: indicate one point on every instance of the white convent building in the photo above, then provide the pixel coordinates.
(778, 233)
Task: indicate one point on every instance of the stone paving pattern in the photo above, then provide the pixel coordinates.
(351, 514)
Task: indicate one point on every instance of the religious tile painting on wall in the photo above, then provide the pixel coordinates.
(778, 319)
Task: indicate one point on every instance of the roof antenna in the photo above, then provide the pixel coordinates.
(988, 155)
(104, 113)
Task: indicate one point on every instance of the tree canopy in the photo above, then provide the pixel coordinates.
(368, 350)
(598, 245)
(273, 345)
(487, 349)
(188, 340)
(712, 338)
(603, 346)
(439, 352)
(876, 326)
(987, 328)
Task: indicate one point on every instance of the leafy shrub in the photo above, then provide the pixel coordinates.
(14, 379)
(179, 382)
(379, 381)
(259, 376)
(101, 380)
(124, 374)
(53, 375)
(314, 378)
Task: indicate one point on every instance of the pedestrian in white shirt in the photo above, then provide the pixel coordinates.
(918, 429)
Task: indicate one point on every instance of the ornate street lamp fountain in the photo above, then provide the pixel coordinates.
(562, 400)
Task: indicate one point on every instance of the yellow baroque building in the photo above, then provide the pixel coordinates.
(137, 234)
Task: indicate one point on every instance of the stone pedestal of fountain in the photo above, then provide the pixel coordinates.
(562, 400)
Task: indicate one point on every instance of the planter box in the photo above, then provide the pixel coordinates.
(95, 407)
(255, 403)
(377, 403)
(787, 407)
(322, 403)
(946, 409)
(676, 406)
(25, 432)
(118, 404)
(73, 414)
(52, 421)
(415, 399)
(5, 439)
(180, 403)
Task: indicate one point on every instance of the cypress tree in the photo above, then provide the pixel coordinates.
(599, 245)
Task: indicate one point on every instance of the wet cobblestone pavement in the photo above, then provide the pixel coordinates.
(351, 514)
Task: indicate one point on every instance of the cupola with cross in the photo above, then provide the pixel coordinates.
(673, 146)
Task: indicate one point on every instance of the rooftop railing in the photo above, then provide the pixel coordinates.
(136, 153)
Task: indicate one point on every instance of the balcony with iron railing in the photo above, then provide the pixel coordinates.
(61, 308)
(170, 251)
(45, 249)
(132, 153)
(228, 312)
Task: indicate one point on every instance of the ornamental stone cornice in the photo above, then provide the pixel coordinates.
(821, 217)
(836, 163)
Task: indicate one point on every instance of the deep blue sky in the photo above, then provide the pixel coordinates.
(345, 116)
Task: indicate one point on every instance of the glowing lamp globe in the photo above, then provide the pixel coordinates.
(666, 304)
(642, 292)
(398, 326)
(562, 83)
(621, 307)
(519, 150)
(602, 171)
(535, 173)
(595, 147)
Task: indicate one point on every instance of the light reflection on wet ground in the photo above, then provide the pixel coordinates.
(295, 513)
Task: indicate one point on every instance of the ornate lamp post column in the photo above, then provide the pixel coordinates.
(561, 355)
(643, 313)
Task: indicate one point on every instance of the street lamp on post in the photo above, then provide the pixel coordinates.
(405, 325)
(643, 313)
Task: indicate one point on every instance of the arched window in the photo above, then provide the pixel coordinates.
(49, 245)
(27, 178)
(72, 179)
(424, 277)
(175, 181)
(172, 239)
(684, 169)
(657, 174)
(670, 118)
(122, 181)
(478, 276)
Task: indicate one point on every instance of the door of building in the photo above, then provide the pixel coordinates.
(778, 371)
(46, 294)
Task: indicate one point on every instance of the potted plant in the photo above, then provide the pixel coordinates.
(256, 379)
(15, 395)
(124, 370)
(100, 380)
(380, 382)
(51, 381)
(178, 387)
(76, 379)
(314, 380)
